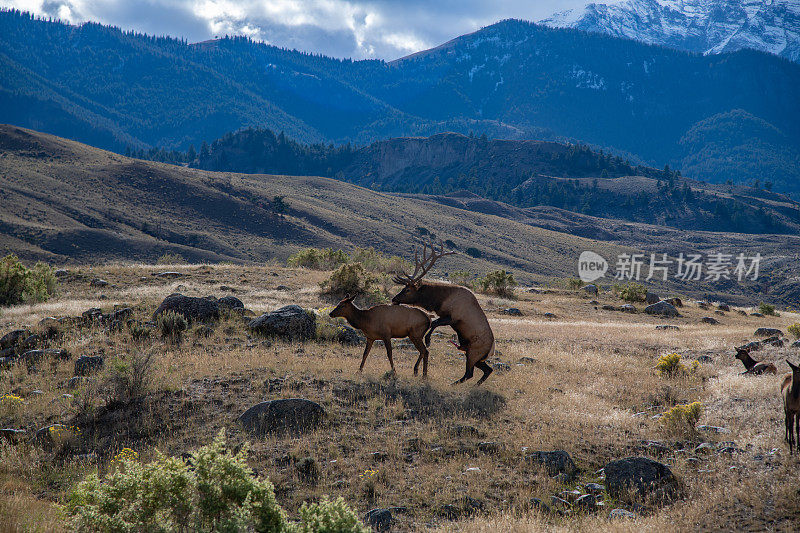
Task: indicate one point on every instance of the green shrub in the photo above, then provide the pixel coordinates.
(172, 325)
(170, 258)
(631, 292)
(794, 329)
(352, 279)
(463, 278)
(575, 283)
(19, 284)
(219, 493)
(498, 282)
(767, 309)
(670, 365)
(319, 259)
(375, 261)
(329, 517)
(132, 376)
(683, 418)
(139, 332)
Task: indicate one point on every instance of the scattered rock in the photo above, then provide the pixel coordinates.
(651, 298)
(713, 429)
(704, 448)
(757, 314)
(586, 503)
(230, 302)
(278, 416)
(525, 360)
(550, 315)
(282, 288)
(92, 315)
(11, 339)
(97, 282)
(768, 332)
(12, 436)
(536, 503)
(646, 476)
(594, 302)
(723, 307)
(718, 312)
(349, 336)
(501, 367)
(595, 488)
(774, 341)
(591, 289)
(627, 308)
(88, 364)
(751, 346)
(291, 322)
(512, 311)
(76, 381)
(192, 308)
(379, 519)
(621, 514)
(705, 359)
(555, 462)
(677, 302)
(662, 309)
(60, 273)
(709, 320)
(741, 312)
(608, 307)
(667, 327)
(167, 274)
(489, 447)
(701, 304)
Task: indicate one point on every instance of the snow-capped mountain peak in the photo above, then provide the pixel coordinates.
(707, 26)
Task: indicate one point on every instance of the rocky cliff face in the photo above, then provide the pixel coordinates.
(707, 26)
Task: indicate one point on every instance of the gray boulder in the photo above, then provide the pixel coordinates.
(230, 302)
(97, 282)
(192, 308)
(379, 519)
(291, 322)
(627, 308)
(555, 462)
(621, 513)
(757, 314)
(11, 339)
(677, 302)
(88, 364)
(349, 336)
(723, 307)
(667, 327)
(280, 416)
(768, 332)
(512, 311)
(591, 289)
(662, 309)
(12, 436)
(651, 298)
(640, 477)
(709, 320)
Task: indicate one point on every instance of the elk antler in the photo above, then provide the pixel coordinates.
(422, 267)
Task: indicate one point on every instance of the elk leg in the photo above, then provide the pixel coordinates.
(423, 355)
(388, 343)
(467, 375)
(797, 426)
(441, 321)
(486, 371)
(366, 353)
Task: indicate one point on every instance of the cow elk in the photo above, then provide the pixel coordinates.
(752, 366)
(454, 305)
(387, 322)
(790, 390)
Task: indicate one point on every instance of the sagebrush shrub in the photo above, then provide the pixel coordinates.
(170, 258)
(375, 261)
(352, 279)
(463, 278)
(133, 376)
(172, 325)
(498, 282)
(217, 493)
(316, 258)
(683, 418)
(631, 292)
(767, 309)
(794, 330)
(575, 283)
(670, 365)
(19, 284)
(329, 517)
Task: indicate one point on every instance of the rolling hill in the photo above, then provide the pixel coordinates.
(513, 79)
(66, 202)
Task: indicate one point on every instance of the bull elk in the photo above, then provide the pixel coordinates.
(790, 390)
(454, 305)
(387, 322)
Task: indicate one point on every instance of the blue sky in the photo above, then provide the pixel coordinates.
(382, 29)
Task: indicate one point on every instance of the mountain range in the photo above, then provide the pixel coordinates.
(705, 26)
(513, 80)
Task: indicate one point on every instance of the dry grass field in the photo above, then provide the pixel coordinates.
(448, 458)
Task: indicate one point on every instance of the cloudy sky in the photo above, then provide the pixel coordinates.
(384, 29)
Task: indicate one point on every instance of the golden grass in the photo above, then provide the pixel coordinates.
(592, 391)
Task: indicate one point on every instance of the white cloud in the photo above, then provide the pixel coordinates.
(359, 29)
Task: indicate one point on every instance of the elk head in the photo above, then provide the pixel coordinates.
(341, 308)
(421, 267)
